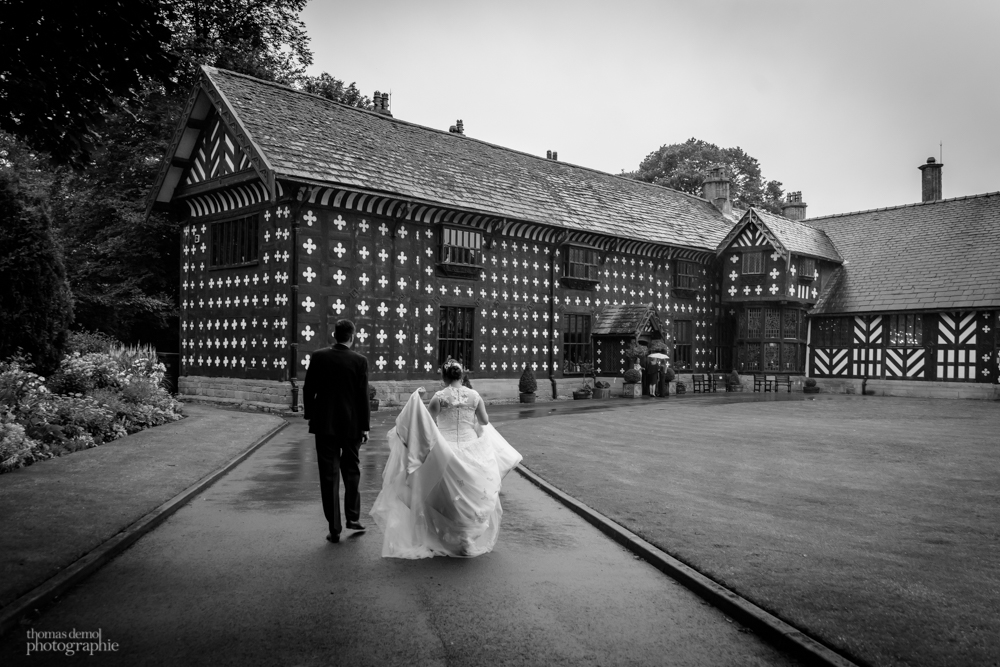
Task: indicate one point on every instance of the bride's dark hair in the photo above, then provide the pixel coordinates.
(451, 371)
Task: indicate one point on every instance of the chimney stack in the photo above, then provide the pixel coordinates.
(794, 208)
(931, 179)
(457, 128)
(551, 155)
(715, 188)
(381, 103)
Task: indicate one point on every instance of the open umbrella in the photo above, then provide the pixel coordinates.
(658, 355)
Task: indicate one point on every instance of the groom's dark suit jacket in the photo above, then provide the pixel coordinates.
(336, 393)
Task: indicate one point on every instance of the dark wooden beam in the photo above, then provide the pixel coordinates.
(181, 162)
(208, 186)
(196, 124)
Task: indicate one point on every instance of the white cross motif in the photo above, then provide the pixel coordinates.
(734, 258)
(254, 300)
(401, 310)
(383, 255)
(266, 257)
(382, 228)
(339, 276)
(308, 304)
(816, 273)
(363, 307)
(792, 269)
(814, 292)
(732, 291)
(775, 255)
(746, 290)
(402, 283)
(340, 223)
(429, 329)
(340, 250)
(265, 278)
(363, 225)
(429, 251)
(401, 257)
(308, 333)
(383, 281)
(382, 309)
(364, 252)
(430, 272)
(381, 335)
(773, 289)
(428, 348)
(338, 306)
(791, 290)
(364, 279)
(362, 335)
(400, 336)
(309, 218)
(401, 232)
(381, 362)
(758, 290)
(309, 246)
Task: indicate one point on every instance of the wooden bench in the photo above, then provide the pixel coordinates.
(718, 380)
(761, 383)
(785, 380)
(699, 383)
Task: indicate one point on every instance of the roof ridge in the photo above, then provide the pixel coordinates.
(900, 206)
(375, 114)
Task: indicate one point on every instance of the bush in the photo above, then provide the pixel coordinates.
(636, 351)
(86, 342)
(79, 374)
(527, 384)
(669, 374)
(632, 376)
(810, 382)
(16, 448)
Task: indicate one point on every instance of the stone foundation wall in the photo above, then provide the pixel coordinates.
(266, 395)
(912, 388)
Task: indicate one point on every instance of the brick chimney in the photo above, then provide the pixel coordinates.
(931, 179)
(551, 155)
(715, 188)
(794, 208)
(381, 103)
(457, 128)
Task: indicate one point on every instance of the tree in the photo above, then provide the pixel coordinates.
(36, 306)
(333, 88)
(63, 65)
(683, 167)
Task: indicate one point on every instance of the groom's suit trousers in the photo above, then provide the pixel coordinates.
(339, 458)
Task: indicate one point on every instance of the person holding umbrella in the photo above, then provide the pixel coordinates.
(654, 375)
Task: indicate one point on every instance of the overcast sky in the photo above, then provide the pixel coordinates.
(842, 100)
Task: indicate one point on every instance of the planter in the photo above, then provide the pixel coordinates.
(632, 390)
(374, 404)
(601, 392)
(580, 395)
(527, 398)
(681, 388)
(810, 390)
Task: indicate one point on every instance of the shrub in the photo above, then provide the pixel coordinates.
(669, 374)
(633, 375)
(527, 384)
(657, 346)
(16, 448)
(636, 351)
(810, 382)
(79, 374)
(86, 342)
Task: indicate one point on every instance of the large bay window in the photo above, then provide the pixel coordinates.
(771, 339)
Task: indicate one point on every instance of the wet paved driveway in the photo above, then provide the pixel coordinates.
(243, 575)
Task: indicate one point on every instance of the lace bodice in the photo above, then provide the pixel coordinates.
(457, 419)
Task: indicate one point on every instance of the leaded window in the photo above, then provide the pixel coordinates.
(455, 332)
(685, 274)
(807, 268)
(461, 246)
(832, 332)
(234, 242)
(577, 357)
(791, 325)
(772, 356)
(905, 330)
(682, 344)
(771, 339)
(753, 322)
(772, 323)
(581, 263)
(753, 262)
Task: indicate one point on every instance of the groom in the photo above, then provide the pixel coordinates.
(335, 394)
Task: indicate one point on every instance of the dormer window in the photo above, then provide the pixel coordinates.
(807, 268)
(580, 268)
(461, 252)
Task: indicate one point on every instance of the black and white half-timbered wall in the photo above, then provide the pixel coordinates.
(298, 211)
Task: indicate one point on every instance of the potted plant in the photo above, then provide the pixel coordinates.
(681, 387)
(810, 387)
(527, 386)
(633, 380)
(602, 389)
(733, 382)
(372, 401)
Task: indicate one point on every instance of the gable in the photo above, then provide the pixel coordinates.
(216, 154)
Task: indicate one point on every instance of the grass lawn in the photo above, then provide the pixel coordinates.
(871, 523)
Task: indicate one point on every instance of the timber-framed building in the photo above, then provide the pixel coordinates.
(298, 211)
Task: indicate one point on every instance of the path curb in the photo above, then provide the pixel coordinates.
(763, 623)
(11, 615)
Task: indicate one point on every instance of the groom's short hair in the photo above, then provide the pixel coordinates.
(343, 330)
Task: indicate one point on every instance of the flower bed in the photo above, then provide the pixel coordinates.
(93, 398)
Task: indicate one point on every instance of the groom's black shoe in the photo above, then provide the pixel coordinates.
(354, 525)
(333, 538)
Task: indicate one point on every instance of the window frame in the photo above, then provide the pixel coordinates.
(448, 345)
(804, 264)
(452, 239)
(683, 339)
(235, 237)
(685, 279)
(912, 330)
(579, 341)
(570, 277)
(758, 259)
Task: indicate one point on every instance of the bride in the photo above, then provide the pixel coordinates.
(441, 483)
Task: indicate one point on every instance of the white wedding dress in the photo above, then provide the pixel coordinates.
(441, 485)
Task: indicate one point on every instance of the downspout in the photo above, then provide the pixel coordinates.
(552, 312)
(809, 330)
(293, 348)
